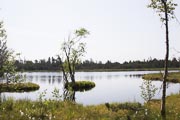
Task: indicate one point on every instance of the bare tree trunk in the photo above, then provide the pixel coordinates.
(73, 78)
(64, 73)
(163, 102)
(70, 69)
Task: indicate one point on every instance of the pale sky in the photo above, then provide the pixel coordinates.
(120, 30)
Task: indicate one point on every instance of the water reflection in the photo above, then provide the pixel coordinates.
(0, 99)
(110, 87)
(97, 75)
(44, 78)
(134, 75)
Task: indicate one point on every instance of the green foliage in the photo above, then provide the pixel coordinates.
(148, 90)
(7, 60)
(7, 68)
(43, 106)
(4, 52)
(18, 87)
(82, 32)
(158, 6)
(56, 94)
(80, 85)
(42, 95)
(72, 51)
(10, 73)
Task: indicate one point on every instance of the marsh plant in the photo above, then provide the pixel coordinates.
(56, 94)
(148, 90)
(11, 109)
(46, 107)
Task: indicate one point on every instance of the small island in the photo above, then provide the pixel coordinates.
(18, 87)
(173, 77)
(80, 85)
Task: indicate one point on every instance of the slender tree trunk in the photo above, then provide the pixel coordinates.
(73, 78)
(70, 70)
(163, 102)
(64, 73)
(69, 66)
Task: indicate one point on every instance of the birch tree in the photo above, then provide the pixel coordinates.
(7, 60)
(165, 10)
(4, 53)
(72, 51)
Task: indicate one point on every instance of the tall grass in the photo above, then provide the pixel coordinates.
(11, 109)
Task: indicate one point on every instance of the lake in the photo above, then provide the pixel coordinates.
(110, 86)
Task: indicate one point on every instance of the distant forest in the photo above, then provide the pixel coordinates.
(53, 64)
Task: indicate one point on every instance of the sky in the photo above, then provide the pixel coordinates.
(120, 30)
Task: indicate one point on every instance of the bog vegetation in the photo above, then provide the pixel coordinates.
(11, 109)
(68, 62)
(173, 77)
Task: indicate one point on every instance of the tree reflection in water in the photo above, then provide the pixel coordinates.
(69, 95)
(0, 99)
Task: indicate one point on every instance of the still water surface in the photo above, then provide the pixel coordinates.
(110, 86)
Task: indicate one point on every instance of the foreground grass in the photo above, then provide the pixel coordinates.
(56, 110)
(18, 87)
(59, 110)
(172, 77)
(172, 108)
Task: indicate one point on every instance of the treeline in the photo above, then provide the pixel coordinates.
(53, 64)
(152, 63)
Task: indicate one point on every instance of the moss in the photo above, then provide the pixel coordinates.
(173, 77)
(80, 85)
(18, 87)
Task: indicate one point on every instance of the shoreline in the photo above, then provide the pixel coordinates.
(106, 70)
